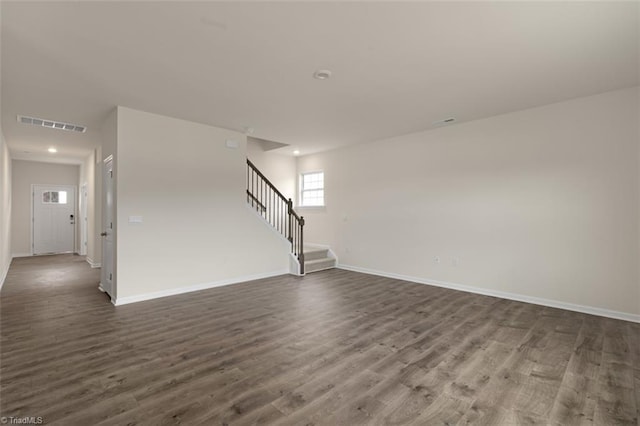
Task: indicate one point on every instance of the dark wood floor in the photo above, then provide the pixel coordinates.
(333, 348)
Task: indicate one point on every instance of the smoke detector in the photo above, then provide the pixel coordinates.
(322, 75)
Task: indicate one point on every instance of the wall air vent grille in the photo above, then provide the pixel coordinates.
(51, 124)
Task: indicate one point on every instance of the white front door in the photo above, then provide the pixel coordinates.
(54, 219)
(106, 281)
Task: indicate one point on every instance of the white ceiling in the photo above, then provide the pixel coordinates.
(397, 67)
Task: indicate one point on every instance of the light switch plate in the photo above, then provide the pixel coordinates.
(135, 219)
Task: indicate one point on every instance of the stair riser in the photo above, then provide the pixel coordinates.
(329, 263)
(315, 255)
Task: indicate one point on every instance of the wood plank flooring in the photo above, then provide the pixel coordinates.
(332, 348)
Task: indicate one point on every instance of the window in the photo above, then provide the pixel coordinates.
(54, 197)
(312, 189)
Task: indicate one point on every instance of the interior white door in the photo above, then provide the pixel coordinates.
(106, 282)
(54, 218)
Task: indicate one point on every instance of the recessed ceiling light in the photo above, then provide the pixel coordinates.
(322, 75)
(296, 152)
(51, 124)
(52, 150)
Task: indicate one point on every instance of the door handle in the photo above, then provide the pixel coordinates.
(103, 234)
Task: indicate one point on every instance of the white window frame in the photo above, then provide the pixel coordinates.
(302, 190)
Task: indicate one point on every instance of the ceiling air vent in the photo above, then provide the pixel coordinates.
(51, 124)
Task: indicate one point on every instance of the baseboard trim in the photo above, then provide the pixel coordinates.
(501, 294)
(119, 301)
(14, 255)
(93, 264)
(4, 275)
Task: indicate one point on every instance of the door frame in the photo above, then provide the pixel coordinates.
(84, 211)
(75, 215)
(103, 270)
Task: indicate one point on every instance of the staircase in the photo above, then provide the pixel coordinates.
(278, 211)
(318, 258)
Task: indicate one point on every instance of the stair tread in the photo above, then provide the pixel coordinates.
(314, 261)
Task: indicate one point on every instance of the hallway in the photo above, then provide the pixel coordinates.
(53, 277)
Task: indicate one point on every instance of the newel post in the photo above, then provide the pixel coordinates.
(301, 249)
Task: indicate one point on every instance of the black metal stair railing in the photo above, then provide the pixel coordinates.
(276, 209)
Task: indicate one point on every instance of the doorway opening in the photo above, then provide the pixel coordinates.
(53, 219)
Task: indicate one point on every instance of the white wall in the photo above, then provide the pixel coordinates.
(189, 188)
(5, 209)
(25, 174)
(279, 168)
(541, 203)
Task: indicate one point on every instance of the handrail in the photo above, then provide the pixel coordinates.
(254, 199)
(267, 181)
(276, 209)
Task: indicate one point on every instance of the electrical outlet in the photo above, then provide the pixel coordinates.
(436, 259)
